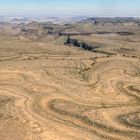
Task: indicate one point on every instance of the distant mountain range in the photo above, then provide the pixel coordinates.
(54, 19)
(67, 19)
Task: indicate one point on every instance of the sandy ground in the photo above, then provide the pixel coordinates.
(54, 92)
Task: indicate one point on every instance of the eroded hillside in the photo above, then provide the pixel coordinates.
(53, 89)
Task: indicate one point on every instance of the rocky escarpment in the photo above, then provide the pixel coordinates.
(80, 44)
(45, 31)
(85, 46)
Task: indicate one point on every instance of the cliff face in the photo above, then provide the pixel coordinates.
(100, 26)
(86, 46)
(80, 44)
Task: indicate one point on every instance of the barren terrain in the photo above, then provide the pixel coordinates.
(53, 88)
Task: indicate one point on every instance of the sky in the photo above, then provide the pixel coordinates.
(70, 7)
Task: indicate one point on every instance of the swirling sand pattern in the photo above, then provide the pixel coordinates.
(54, 97)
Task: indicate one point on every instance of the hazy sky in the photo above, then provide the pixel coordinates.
(71, 7)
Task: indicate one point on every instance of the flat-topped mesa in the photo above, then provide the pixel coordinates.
(104, 26)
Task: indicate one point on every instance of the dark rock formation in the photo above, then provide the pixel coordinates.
(125, 33)
(85, 46)
(48, 28)
(77, 43)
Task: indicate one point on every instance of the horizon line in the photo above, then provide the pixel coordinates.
(69, 15)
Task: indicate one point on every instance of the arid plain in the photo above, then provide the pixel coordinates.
(78, 81)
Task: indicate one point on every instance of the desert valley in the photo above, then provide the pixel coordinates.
(70, 81)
